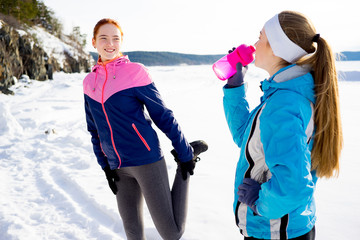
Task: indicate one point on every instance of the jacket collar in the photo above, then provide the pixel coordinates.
(294, 78)
(113, 62)
(290, 72)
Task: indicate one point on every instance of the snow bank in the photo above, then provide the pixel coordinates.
(8, 123)
(348, 70)
(349, 75)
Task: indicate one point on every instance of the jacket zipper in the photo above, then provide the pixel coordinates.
(107, 118)
(247, 153)
(249, 160)
(141, 137)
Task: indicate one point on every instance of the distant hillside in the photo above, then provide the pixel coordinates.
(350, 56)
(171, 58)
(167, 58)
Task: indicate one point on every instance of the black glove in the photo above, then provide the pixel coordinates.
(233, 49)
(111, 177)
(188, 167)
(238, 78)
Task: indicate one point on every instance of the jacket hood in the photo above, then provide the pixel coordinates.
(294, 78)
(114, 62)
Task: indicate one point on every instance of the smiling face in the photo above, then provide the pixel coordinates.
(107, 42)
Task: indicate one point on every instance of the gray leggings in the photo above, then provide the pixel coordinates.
(167, 208)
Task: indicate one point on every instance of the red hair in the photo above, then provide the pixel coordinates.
(106, 21)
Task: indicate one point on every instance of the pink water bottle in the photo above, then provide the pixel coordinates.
(225, 67)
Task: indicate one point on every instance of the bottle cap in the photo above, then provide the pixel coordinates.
(243, 54)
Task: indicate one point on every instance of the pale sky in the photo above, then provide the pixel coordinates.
(206, 26)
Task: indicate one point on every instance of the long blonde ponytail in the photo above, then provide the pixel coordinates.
(328, 140)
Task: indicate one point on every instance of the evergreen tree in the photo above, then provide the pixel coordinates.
(6, 6)
(35, 12)
(78, 38)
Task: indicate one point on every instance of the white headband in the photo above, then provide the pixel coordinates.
(281, 45)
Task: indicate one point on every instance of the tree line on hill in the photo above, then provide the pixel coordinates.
(171, 58)
(28, 13)
(167, 58)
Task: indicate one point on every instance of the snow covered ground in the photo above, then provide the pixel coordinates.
(52, 187)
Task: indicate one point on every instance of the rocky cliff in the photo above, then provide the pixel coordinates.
(23, 52)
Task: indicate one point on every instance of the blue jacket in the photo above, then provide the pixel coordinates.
(276, 141)
(121, 132)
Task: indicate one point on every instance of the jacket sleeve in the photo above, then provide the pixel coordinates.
(164, 119)
(236, 110)
(101, 158)
(282, 130)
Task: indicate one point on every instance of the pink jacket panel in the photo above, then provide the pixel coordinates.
(121, 74)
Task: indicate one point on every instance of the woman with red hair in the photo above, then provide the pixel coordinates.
(125, 144)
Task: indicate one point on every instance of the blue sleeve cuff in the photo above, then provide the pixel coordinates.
(231, 91)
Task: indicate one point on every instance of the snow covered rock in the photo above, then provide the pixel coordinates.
(8, 123)
(36, 53)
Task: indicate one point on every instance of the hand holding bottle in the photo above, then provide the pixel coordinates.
(225, 67)
(238, 78)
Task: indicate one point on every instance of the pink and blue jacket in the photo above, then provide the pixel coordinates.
(121, 132)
